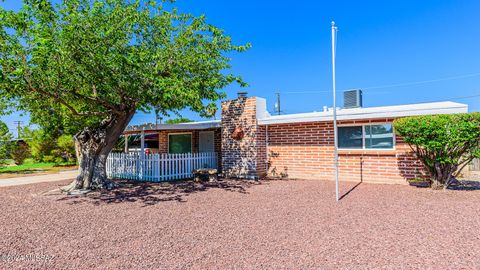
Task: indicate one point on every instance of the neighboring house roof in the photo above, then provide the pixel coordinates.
(446, 107)
(181, 126)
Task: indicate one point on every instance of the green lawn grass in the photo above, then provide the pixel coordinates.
(31, 165)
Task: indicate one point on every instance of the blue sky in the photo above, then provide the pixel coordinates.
(379, 43)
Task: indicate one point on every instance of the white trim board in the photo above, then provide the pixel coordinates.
(446, 107)
(181, 126)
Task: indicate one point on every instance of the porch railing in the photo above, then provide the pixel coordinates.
(158, 167)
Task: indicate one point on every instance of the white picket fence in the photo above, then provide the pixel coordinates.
(475, 165)
(157, 167)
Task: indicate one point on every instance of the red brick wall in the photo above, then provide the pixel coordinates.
(305, 150)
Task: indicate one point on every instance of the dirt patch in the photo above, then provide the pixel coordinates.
(241, 225)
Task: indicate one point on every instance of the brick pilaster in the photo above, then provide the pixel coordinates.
(241, 157)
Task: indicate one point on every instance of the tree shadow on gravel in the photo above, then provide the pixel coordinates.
(466, 185)
(460, 185)
(153, 193)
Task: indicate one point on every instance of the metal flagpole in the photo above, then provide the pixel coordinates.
(335, 147)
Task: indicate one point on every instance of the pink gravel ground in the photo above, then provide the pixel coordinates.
(241, 225)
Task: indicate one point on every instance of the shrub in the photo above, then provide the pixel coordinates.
(49, 159)
(59, 160)
(444, 143)
(20, 152)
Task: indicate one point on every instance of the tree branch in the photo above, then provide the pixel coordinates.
(63, 102)
(98, 101)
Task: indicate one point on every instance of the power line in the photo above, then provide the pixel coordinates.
(319, 92)
(450, 99)
(393, 85)
(423, 82)
(421, 102)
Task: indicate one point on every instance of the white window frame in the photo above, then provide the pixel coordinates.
(180, 133)
(363, 125)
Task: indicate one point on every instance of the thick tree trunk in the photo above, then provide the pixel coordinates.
(93, 147)
(442, 175)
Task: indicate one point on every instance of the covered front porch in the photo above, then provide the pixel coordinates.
(166, 152)
(196, 137)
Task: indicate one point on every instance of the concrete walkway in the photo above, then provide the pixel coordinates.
(24, 180)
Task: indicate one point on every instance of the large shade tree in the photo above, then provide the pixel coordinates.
(91, 64)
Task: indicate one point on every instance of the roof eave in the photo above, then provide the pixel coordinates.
(345, 116)
(182, 126)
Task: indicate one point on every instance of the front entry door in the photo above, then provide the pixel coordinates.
(206, 141)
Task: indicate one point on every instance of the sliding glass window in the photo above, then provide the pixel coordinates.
(366, 137)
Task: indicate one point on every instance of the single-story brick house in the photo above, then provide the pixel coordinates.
(251, 143)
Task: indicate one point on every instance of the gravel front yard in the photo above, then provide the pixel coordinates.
(241, 225)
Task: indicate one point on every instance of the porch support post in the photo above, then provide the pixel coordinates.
(126, 143)
(142, 153)
(142, 141)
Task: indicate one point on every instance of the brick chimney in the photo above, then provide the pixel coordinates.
(243, 143)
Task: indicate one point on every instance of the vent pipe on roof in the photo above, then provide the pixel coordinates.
(352, 99)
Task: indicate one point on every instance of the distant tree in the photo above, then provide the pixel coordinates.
(48, 146)
(6, 143)
(178, 121)
(444, 143)
(93, 63)
(20, 151)
(66, 147)
(42, 143)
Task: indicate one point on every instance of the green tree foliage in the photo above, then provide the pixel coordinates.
(444, 143)
(41, 144)
(6, 143)
(20, 151)
(89, 65)
(178, 120)
(47, 146)
(66, 147)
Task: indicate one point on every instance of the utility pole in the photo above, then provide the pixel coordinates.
(334, 89)
(19, 127)
(277, 104)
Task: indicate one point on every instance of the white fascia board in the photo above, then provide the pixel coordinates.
(192, 125)
(370, 113)
(181, 126)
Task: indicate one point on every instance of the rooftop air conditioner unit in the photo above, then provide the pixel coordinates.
(352, 99)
